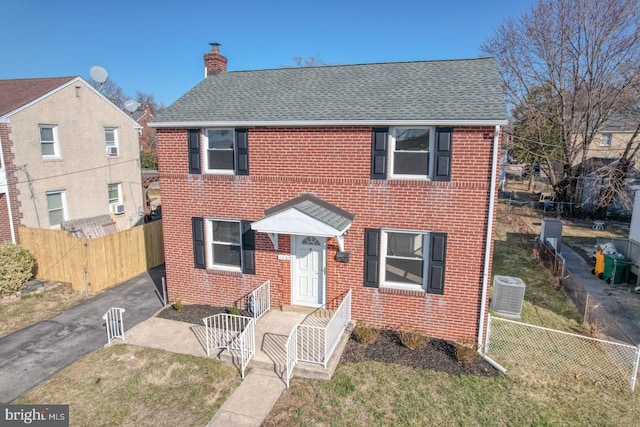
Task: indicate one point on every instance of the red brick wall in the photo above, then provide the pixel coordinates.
(334, 165)
(5, 230)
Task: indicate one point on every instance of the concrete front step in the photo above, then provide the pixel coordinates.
(271, 356)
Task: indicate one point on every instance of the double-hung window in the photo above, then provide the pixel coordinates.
(115, 198)
(225, 243)
(56, 207)
(410, 148)
(111, 140)
(220, 146)
(49, 144)
(223, 151)
(419, 153)
(405, 260)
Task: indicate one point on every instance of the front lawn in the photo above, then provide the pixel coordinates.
(125, 385)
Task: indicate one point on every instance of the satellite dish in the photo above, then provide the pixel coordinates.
(131, 105)
(98, 74)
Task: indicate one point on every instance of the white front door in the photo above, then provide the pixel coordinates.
(307, 275)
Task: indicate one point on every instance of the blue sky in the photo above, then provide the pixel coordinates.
(157, 46)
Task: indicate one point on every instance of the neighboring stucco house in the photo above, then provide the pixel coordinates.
(612, 140)
(68, 153)
(379, 178)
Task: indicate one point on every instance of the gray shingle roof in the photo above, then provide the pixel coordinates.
(459, 90)
(317, 209)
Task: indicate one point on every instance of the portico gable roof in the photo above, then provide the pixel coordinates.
(305, 215)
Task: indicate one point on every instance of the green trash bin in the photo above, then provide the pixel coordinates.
(608, 267)
(619, 272)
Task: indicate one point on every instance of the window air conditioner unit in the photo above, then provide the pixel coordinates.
(508, 296)
(117, 209)
(112, 151)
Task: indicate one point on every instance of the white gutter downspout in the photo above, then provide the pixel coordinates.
(4, 171)
(489, 239)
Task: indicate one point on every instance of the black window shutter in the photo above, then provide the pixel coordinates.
(442, 166)
(248, 248)
(194, 151)
(379, 153)
(242, 152)
(371, 258)
(197, 227)
(437, 258)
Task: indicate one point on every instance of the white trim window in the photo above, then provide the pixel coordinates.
(225, 242)
(114, 193)
(56, 208)
(49, 144)
(111, 141)
(220, 150)
(410, 150)
(403, 260)
(605, 139)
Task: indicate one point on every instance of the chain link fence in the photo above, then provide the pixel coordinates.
(556, 355)
(544, 352)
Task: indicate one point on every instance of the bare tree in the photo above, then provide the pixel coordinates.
(149, 99)
(584, 56)
(311, 61)
(112, 91)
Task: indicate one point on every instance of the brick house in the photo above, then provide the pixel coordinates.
(379, 178)
(66, 153)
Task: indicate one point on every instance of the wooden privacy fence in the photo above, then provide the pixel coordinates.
(99, 263)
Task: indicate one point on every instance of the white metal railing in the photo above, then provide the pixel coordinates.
(315, 344)
(259, 301)
(291, 347)
(114, 324)
(234, 333)
(560, 355)
(336, 326)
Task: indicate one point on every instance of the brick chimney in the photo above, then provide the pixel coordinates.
(214, 63)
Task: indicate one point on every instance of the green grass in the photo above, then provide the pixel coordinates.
(384, 394)
(544, 305)
(134, 386)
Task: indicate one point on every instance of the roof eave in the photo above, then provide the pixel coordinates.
(302, 123)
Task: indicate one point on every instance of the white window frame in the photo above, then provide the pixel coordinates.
(393, 132)
(605, 136)
(210, 242)
(208, 151)
(383, 261)
(63, 198)
(119, 187)
(55, 142)
(114, 143)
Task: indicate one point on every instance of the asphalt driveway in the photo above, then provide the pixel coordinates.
(33, 354)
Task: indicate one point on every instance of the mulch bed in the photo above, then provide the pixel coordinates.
(437, 355)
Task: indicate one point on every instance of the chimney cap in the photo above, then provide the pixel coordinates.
(215, 45)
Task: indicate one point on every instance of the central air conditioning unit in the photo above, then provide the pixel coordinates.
(117, 209)
(508, 296)
(112, 151)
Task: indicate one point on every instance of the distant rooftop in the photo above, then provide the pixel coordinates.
(19, 92)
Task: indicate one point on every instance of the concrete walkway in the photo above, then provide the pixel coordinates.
(621, 304)
(33, 354)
